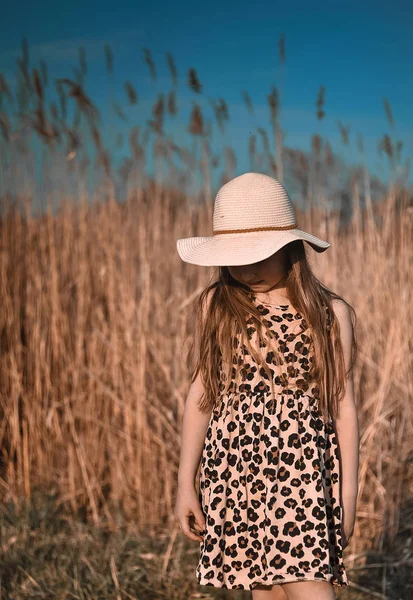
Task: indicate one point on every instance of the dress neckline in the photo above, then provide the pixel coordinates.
(281, 306)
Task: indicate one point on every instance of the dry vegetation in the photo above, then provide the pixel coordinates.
(95, 321)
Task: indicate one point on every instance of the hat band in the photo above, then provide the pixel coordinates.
(280, 228)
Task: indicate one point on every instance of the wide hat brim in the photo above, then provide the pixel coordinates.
(233, 249)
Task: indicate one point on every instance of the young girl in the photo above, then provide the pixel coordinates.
(270, 415)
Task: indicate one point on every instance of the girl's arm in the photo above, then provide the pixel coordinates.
(188, 513)
(193, 431)
(347, 428)
(194, 426)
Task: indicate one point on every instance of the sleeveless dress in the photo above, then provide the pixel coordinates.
(269, 483)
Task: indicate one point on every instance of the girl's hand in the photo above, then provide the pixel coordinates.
(347, 535)
(188, 513)
(349, 517)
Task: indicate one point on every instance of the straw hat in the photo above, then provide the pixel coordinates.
(253, 218)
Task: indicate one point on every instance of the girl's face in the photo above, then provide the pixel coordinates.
(263, 275)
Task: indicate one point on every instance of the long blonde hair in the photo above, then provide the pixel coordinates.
(226, 308)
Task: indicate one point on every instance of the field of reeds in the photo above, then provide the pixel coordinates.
(97, 316)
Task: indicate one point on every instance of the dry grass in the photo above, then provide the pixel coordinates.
(95, 321)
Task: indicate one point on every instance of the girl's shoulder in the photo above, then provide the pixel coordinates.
(341, 309)
(343, 313)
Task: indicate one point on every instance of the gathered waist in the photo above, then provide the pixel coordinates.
(246, 400)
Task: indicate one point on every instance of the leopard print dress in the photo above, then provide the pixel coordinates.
(269, 483)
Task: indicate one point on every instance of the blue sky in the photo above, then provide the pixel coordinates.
(360, 51)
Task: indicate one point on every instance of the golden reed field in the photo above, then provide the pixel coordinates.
(96, 316)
